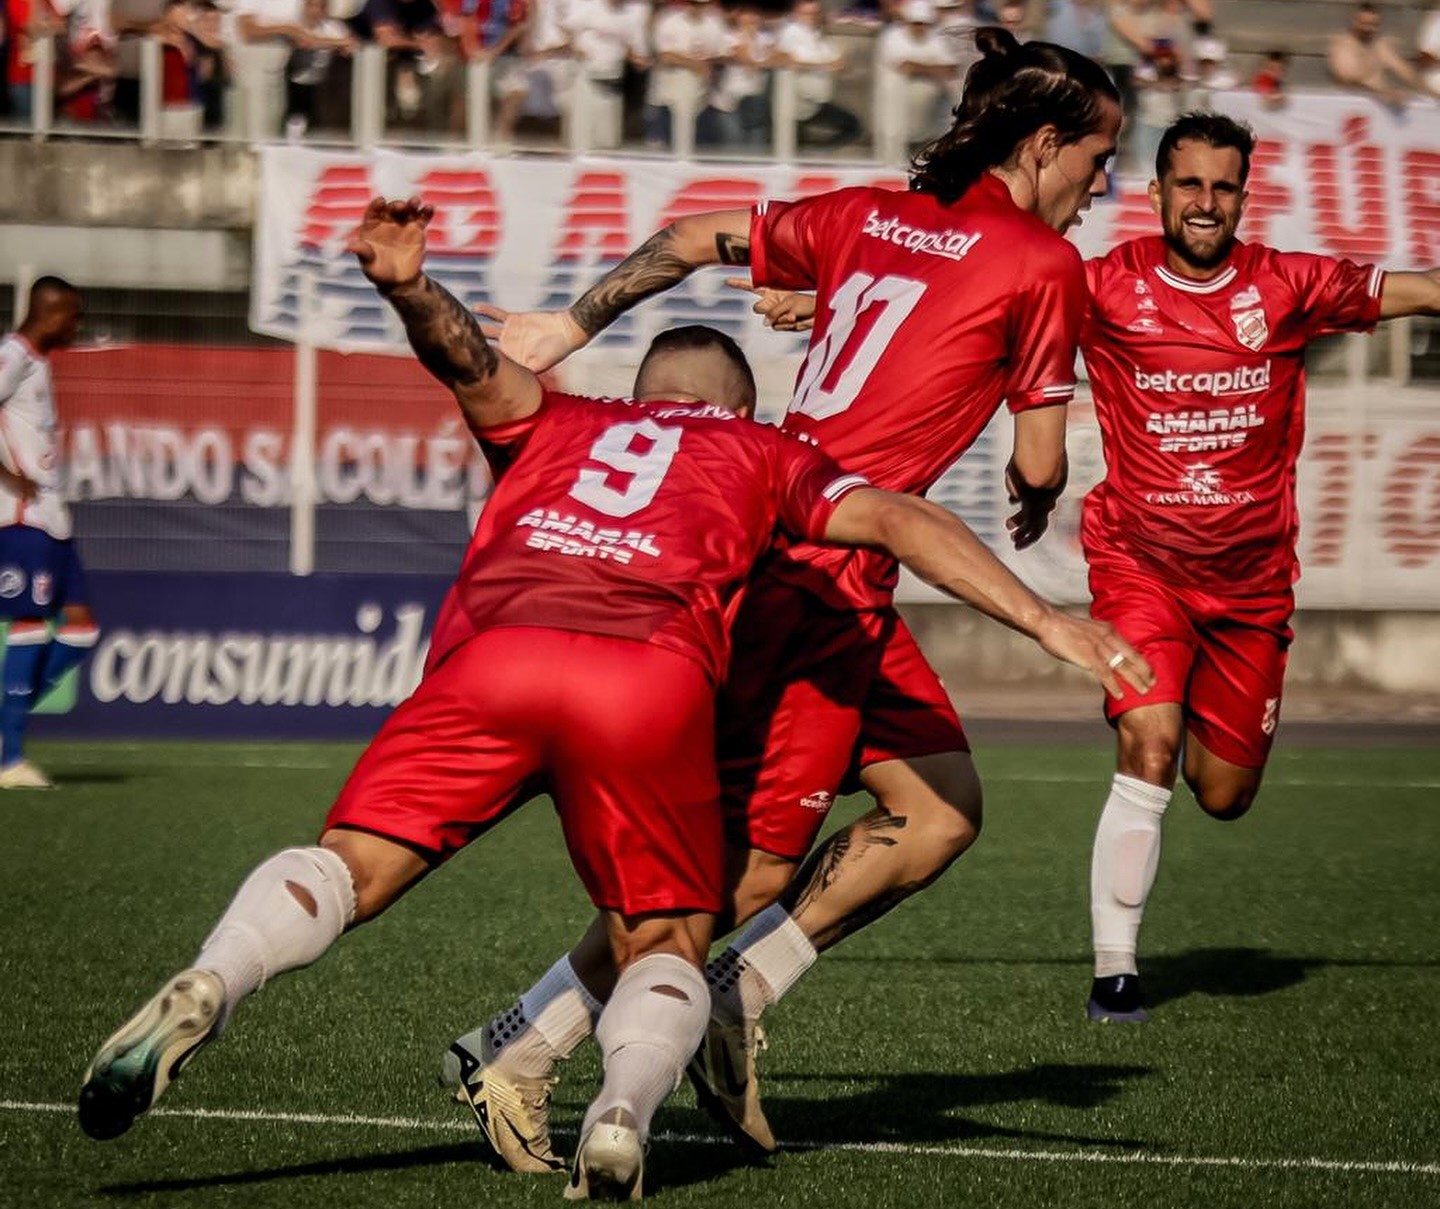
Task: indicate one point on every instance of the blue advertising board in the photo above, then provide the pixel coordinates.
(248, 655)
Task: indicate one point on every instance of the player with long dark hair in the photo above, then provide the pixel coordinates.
(935, 307)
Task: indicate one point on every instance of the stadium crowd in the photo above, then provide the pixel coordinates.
(639, 63)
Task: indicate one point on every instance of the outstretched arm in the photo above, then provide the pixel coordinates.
(540, 339)
(943, 551)
(1410, 294)
(390, 245)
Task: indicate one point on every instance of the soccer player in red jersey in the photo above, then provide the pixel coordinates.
(1195, 345)
(934, 307)
(579, 648)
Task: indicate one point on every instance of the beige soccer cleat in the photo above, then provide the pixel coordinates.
(726, 1085)
(513, 1111)
(610, 1164)
(24, 775)
(140, 1061)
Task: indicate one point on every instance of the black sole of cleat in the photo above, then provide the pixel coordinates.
(1101, 1015)
(107, 1110)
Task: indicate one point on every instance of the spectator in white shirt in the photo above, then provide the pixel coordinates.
(540, 84)
(916, 71)
(816, 61)
(606, 37)
(1212, 68)
(265, 32)
(956, 22)
(739, 111)
(689, 44)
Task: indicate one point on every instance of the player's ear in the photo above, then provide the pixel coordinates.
(1045, 144)
(1155, 198)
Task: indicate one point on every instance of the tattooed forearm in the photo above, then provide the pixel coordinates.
(446, 337)
(732, 249)
(652, 268)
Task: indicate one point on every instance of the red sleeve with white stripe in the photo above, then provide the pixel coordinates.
(1045, 320)
(789, 241)
(808, 485)
(1334, 295)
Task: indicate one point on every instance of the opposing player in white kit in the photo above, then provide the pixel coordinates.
(43, 594)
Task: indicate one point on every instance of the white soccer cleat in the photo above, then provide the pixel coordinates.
(140, 1061)
(726, 1085)
(610, 1164)
(512, 1111)
(24, 775)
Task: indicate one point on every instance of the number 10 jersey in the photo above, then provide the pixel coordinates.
(927, 318)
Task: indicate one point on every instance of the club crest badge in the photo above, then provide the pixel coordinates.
(42, 588)
(1248, 316)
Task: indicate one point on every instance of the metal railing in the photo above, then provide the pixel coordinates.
(368, 121)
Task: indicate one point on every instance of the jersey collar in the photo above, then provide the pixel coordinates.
(1189, 286)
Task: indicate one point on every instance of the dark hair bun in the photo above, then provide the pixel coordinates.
(996, 42)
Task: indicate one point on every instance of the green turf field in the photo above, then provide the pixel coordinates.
(940, 1058)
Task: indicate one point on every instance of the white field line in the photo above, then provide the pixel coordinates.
(1134, 1157)
(1043, 778)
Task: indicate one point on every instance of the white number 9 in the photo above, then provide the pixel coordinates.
(646, 467)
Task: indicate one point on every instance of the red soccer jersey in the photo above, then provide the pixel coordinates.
(927, 317)
(1200, 392)
(636, 520)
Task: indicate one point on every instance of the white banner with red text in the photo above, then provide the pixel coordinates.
(1333, 174)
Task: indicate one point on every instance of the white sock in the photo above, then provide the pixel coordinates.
(648, 1031)
(758, 967)
(1122, 870)
(268, 929)
(544, 1025)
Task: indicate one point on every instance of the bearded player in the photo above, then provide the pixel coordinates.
(935, 307)
(580, 647)
(1195, 345)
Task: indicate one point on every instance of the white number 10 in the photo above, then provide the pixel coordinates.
(843, 361)
(614, 448)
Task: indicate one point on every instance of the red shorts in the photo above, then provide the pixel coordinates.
(622, 733)
(814, 695)
(1220, 657)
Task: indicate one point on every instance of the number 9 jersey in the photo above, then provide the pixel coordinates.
(927, 318)
(633, 520)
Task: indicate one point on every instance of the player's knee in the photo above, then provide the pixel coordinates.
(1150, 757)
(377, 878)
(957, 825)
(943, 810)
(1227, 804)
